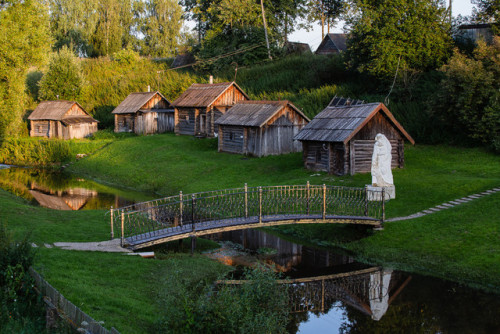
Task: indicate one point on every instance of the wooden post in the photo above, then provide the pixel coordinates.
(324, 201)
(260, 205)
(112, 227)
(246, 200)
(193, 245)
(308, 197)
(180, 207)
(193, 203)
(123, 228)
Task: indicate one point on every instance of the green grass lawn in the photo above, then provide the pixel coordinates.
(461, 244)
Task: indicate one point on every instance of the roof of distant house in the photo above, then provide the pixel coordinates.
(135, 102)
(340, 124)
(254, 113)
(56, 111)
(204, 95)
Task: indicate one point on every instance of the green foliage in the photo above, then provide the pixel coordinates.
(161, 26)
(487, 11)
(24, 42)
(398, 35)
(18, 299)
(470, 96)
(45, 152)
(63, 79)
(260, 306)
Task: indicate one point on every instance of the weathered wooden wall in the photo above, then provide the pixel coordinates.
(231, 139)
(124, 122)
(39, 128)
(316, 155)
(76, 131)
(166, 122)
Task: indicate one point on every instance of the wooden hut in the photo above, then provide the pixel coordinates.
(331, 44)
(144, 113)
(261, 128)
(61, 119)
(197, 109)
(340, 139)
(296, 48)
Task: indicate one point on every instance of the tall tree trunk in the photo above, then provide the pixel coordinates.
(286, 27)
(322, 21)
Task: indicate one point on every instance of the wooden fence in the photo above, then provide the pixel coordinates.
(57, 304)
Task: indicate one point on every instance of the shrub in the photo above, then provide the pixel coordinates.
(259, 306)
(470, 98)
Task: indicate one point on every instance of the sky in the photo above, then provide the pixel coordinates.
(313, 37)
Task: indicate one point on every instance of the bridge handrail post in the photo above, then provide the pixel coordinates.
(366, 202)
(112, 223)
(260, 205)
(246, 200)
(383, 205)
(324, 201)
(180, 208)
(193, 203)
(308, 187)
(123, 228)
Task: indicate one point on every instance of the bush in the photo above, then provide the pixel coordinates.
(470, 98)
(260, 306)
(18, 299)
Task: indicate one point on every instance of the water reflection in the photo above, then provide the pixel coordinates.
(332, 293)
(64, 191)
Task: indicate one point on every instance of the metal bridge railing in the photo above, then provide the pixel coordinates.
(232, 206)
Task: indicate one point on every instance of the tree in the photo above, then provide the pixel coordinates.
(63, 79)
(470, 97)
(398, 36)
(325, 11)
(161, 26)
(24, 42)
(107, 37)
(487, 11)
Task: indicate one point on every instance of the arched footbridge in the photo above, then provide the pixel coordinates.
(177, 217)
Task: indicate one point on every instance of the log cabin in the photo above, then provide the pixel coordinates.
(332, 44)
(61, 119)
(197, 109)
(144, 113)
(340, 139)
(260, 128)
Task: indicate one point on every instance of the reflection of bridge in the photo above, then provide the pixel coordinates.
(370, 291)
(177, 217)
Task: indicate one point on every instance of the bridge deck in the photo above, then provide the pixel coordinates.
(209, 227)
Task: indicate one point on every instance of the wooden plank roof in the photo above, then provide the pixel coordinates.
(204, 95)
(53, 110)
(135, 101)
(254, 113)
(69, 120)
(340, 124)
(339, 42)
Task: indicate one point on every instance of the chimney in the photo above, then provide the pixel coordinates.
(57, 97)
(149, 88)
(211, 80)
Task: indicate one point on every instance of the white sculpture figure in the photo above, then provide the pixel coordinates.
(379, 293)
(381, 162)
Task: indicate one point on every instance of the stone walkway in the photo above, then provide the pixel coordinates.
(445, 206)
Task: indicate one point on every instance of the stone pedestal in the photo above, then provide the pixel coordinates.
(375, 193)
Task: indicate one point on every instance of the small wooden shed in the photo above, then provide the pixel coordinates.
(197, 109)
(61, 119)
(144, 113)
(261, 128)
(340, 139)
(331, 44)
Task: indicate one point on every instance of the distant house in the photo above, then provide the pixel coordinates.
(183, 60)
(61, 119)
(476, 32)
(261, 128)
(144, 113)
(340, 139)
(331, 44)
(296, 48)
(197, 109)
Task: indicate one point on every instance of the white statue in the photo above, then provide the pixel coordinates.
(381, 162)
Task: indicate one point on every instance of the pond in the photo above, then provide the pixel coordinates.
(334, 293)
(64, 191)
